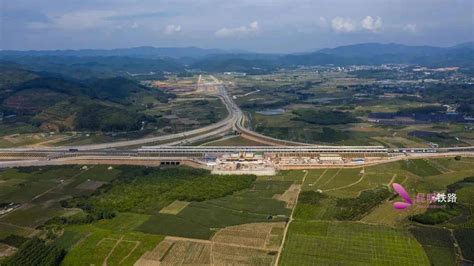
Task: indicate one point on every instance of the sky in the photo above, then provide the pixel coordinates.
(254, 25)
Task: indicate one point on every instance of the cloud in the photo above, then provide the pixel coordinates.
(93, 19)
(253, 27)
(371, 24)
(411, 28)
(171, 29)
(75, 21)
(82, 20)
(340, 24)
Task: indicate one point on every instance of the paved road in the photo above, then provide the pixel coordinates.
(215, 129)
(247, 133)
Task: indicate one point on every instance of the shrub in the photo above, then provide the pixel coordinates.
(324, 117)
(311, 197)
(14, 240)
(37, 252)
(465, 238)
(147, 190)
(351, 209)
(436, 216)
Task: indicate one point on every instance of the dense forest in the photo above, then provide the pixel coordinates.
(54, 102)
(148, 190)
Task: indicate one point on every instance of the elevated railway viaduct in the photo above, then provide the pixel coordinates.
(273, 151)
(203, 151)
(196, 156)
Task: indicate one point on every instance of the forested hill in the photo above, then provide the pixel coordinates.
(375, 53)
(94, 66)
(54, 102)
(147, 52)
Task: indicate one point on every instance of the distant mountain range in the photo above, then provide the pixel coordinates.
(142, 51)
(174, 59)
(376, 53)
(374, 49)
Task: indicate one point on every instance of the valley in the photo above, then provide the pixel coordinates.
(247, 159)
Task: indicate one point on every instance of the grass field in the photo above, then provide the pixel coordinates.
(438, 244)
(317, 242)
(450, 164)
(295, 176)
(199, 220)
(9, 229)
(428, 175)
(262, 192)
(234, 141)
(175, 207)
(100, 246)
(420, 167)
(439, 182)
(32, 216)
(349, 182)
(384, 214)
(108, 241)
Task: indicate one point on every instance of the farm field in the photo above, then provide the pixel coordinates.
(438, 244)
(328, 194)
(317, 242)
(108, 242)
(187, 113)
(298, 105)
(130, 232)
(175, 207)
(294, 176)
(254, 244)
(202, 219)
(39, 191)
(241, 219)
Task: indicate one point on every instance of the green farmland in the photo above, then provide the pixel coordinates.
(317, 243)
(100, 214)
(344, 216)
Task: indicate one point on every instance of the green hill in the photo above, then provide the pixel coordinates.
(55, 103)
